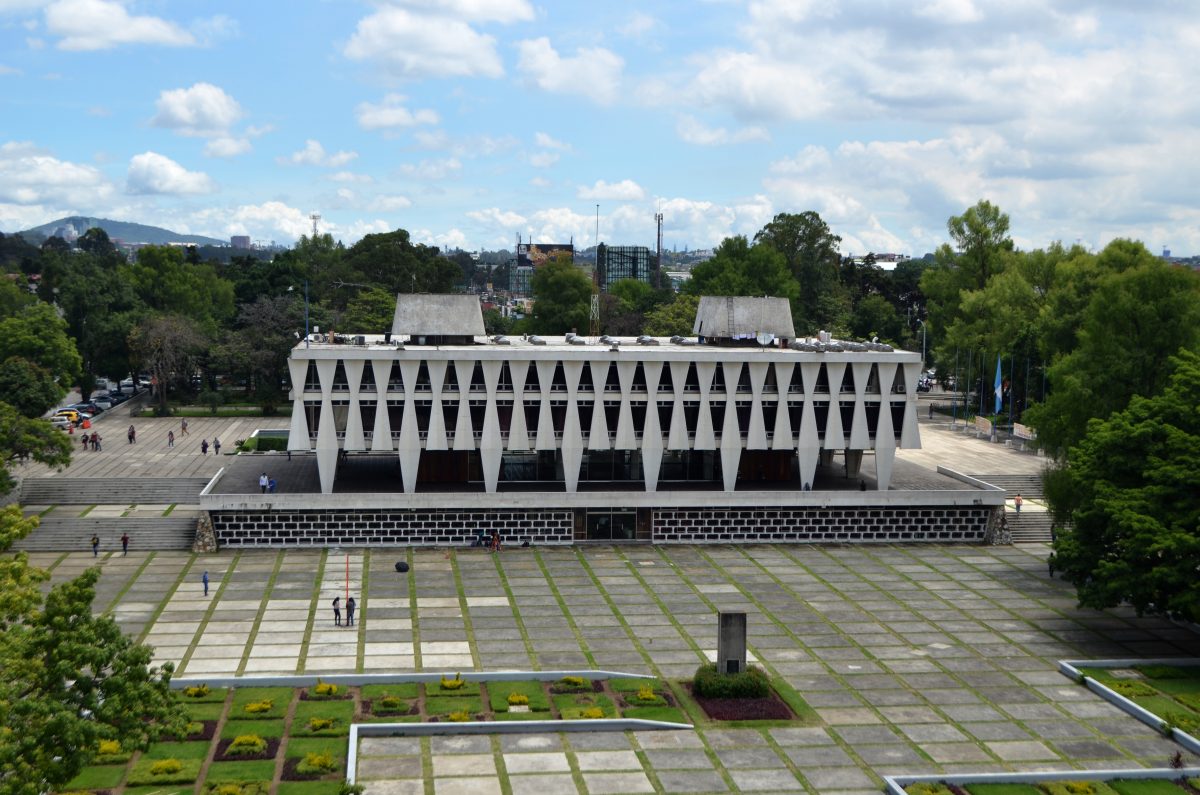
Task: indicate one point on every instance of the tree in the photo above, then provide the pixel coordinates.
(1134, 486)
(737, 268)
(677, 317)
(169, 346)
(29, 388)
(875, 316)
(370, 311)
(25, 439)
(1133, 323)
(562, 294)
(37, 334)
(810, 250)
(167, 282)
(390, 261)
(70, 679)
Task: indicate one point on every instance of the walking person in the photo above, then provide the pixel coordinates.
(96, 441)
(271, 485)
(350, 604)
(204, 580)
(86, 438)
(216, 446)
(337, 611)
(124, 544)
(170, 438)
(132, 434)
(95, 545)
(1017, 501)
(183, 427)
(263, 482)
(204, 447)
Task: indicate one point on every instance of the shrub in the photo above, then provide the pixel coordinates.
(1187, 721)
(232, 788)
(325, 689)
(927, 788)
(1069, 788)
(258, 707)
(592, 713)
(246, 745)
(459, 716)
(1166, 671)
(751, 683)
(166, 767)
(574, 683)
(193, 727)
(212, 399)
(316, 763)
(320, 724)
(108, 748)
(518, 699)
(196, 691)
(389, 703)
(646, 693)
(453, 684)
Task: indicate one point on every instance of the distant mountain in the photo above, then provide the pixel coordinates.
(124, 231)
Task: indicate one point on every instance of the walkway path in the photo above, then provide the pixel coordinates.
(917, 659)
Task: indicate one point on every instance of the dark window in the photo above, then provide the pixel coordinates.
(665, 381)
(504, 411)
(796, 385)
(585, 378)
(477, 382)
(717, 411)
(505, 382)
(450, 384)
(898, 382)
(612, 416)
(478, 408)
(743, 415)
(847, 409)
(395, 380)
(769, 408)
(795, 416)
(665, 409)
(395, 410)
(366, 411)
(340, 382)
(639, 418)
(559, 382)
(770, 383)
(532, 413)
(423, 409)
(612, 382)
(822, 381)
(531, 379)
(450, 415)
(873, 380)
(821, 415)
(718, 384)
(312, 381)
(743, 379)
(639, 378)
(691, 417)
(585, 416)
(423, 384)
(558, 415)
(847, 381)
(367, 382)
(897, 419)
(692, 382)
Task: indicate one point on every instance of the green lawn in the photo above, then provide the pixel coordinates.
(98, 777)
(444, 705)
(192, 750)
(308, 788)
(498, 693)
(465, 690)
(253, 770)
(670, 714)
(204, 711)
(629, 685)
(215, 695)
(401, 690)
(299, 746)
(571, 706)
(1148, 787)
(1004, 789)
(341, 712)
(140, 774)
(280, 698)
(266, 729)
(158, 790)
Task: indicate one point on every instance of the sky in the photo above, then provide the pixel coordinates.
(470, 122)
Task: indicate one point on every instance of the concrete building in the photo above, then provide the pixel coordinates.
(750, 435)
(614, 263)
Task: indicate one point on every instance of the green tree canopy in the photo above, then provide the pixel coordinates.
(738, 268)
(25, 439)
(1133, 323)
(810, 252)
(1132, 492)
(392, 262)
(170, 347)
(28, 387)
(37, 334)
(677, 317)
(562, 294)
(166, 282)
(71, 679)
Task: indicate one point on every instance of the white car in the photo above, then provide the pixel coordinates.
(61, 422)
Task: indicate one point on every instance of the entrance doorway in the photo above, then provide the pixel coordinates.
(608, 525)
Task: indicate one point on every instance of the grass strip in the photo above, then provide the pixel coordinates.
(415, 619)
(162, 605)
(128, 584)
(512, 603)
(465, 609)
(360, 656)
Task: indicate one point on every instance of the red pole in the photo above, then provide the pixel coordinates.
(347, 578)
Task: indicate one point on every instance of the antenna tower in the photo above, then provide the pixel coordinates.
(315, 217)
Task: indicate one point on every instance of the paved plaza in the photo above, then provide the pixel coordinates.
(916, 658)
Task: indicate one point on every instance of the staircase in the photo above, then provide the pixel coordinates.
(63, 532)
(1032, 526)
(111, 491)
(73, 534)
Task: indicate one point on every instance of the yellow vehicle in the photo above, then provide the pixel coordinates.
(70, 414)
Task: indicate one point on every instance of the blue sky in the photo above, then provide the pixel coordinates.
(468, 122)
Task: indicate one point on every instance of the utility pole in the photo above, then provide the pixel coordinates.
(315, 217)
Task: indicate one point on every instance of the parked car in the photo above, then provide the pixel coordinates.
(128, 386)
(72, 415)
(102, 402)
(117, 397)
(88, 407)
(61, 422)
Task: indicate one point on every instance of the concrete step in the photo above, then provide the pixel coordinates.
(1030, 527)
(1028, 486)
(74, 534)
(111, 491)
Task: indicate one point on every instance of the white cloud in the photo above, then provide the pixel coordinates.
(388, 204)
(544, 159)
(432, 169)
(5, 69)
(693, 131)
(494, 216)
(593, 72)
(545, 141)
(625, 190)
(351, 177)
(265, 220)
(504, 11)
(414, 45)
(638, 24)
(30, 176)
(539, 182)
(955, 11)
(152, 173)
(203, 110)
(391, 113)
(359, 229)
(313, 154)
(104, 24)
(450, 239)
(227, 146)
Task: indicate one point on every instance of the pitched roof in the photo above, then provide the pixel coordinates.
(743, 316)
(421, 314)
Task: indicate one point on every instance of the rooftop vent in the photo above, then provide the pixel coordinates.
(536, 340)
(607, 340)
(646, 339)
(576, 340)
(500, 339)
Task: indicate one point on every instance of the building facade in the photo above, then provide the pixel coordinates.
(750, 437)
(614, 263)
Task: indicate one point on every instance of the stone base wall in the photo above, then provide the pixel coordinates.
(821, 525)
(389, 528)
(430, 528)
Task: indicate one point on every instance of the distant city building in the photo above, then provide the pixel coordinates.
(614, 263)
(529, 257)
(240, 241)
